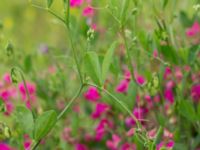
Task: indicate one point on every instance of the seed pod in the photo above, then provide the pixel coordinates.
(9, 49)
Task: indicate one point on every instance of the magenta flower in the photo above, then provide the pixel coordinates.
(100, 109)
(122, 87)
(4, 146)
(139, 79)
(31, 89)
(168, 94)
(194, 30)
(80, 147)
(92, 94)
(9, 108)
(170, 144)
(88, 12)
(101, 129)
(7, 78)
(128, 146)
(195, 92)
(167, 73)
(155, 53)
(5, 95)
(113, 144)
(76, 3)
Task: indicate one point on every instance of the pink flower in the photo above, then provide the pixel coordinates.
(170, 84)
(100, 109)
(9, 108)
(5, 95)
(194, 30)
(168, 94)
(130, 132)
(155, 53)
(159, 146)
(92, 94)
(101, 129)
(31, 89)
(32, 92)
(76, 3)
(128, 146)
(7, 78)
(170, 144)
(139, 79)
(178, 74)
(138, 113)
(122, 87)
(195, 92)
(88, 12)
(4, 146)
(113, 144)
(80, 147)
(167, 72)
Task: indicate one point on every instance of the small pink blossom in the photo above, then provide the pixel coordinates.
(113, 144)
(139, 79)
(101, 128)
(168, 94)
(195, 92)
(100, 109)
(170, 144)
(4, 146)
(80, 147)
(76, 3)
(9, 108)
(128, 146)
(88, 12)
(92, 94)
(194, 30)
(122, 87)
(7, 78)
(5, 95)
(155, 53)
(167, 73)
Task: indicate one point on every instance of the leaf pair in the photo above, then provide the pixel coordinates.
(93, 67)
(40, 127)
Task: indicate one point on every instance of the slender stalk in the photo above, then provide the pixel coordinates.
(23, 80)
(70, 102)
(128, 56)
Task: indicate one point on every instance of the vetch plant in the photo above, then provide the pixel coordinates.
(116, 75)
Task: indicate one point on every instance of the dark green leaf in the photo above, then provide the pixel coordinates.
(44, 123)
(49, 3)
(108, 60)
(92, 67)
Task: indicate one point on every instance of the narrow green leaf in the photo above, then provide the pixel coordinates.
(187, 110)
(49, 3)
(44, 123)
(108, 60)
(124, 10)
(165, 2)
(25, 119)
(92, 67)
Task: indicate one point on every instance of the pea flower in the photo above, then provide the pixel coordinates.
(76, 3)
(100, 109)
(194, 30)
(195, 92)
(113, 144)
(92, 94)
(88, 12)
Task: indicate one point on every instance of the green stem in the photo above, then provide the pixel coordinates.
(23, 80)
(128, 56)
(70, 102)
